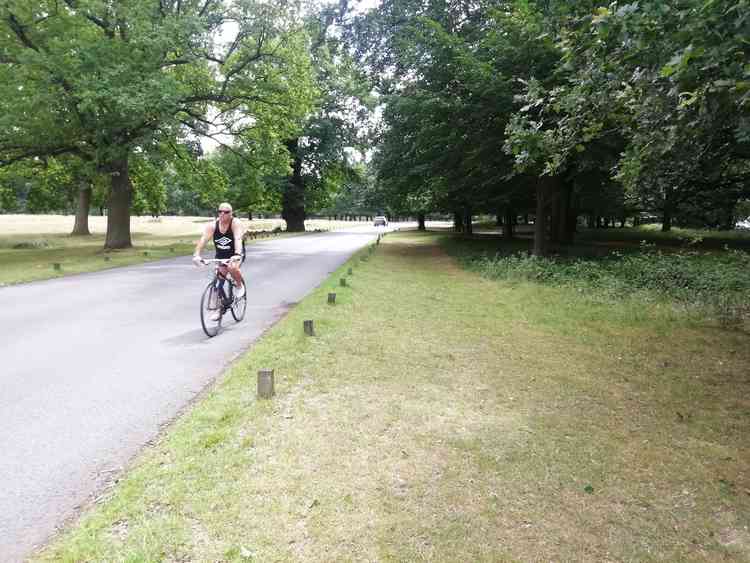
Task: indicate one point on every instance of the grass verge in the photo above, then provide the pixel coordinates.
(36, 259)
(440, 415)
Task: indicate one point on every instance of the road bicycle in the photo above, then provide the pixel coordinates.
(220, 297)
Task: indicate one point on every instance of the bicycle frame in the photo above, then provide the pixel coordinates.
(221, 277)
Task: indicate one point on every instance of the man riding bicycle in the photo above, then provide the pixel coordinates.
(226, 233)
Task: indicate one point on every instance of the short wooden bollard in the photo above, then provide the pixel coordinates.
(350, 272)
(145, 253)
(265, 384)
(57, 266)
(343, 282)
(331, 298)
(308, 325)
(106, 258)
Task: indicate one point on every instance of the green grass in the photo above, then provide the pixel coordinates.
(713, 284)
(35, 259)
(442, 415)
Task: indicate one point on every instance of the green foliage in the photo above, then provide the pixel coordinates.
(150, 196)
(664, 86)
(194, 186)
(718, 282)
(110, 82)
(637, 106)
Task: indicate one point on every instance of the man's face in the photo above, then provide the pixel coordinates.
(225, 213)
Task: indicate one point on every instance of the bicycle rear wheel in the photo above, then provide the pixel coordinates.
(211, 310)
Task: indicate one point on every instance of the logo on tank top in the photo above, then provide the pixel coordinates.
(223, 243)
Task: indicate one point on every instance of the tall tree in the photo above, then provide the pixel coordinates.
(100, 79)
(319, 153)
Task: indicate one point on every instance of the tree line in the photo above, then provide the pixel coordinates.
(108, 104)
(565, 109)
(559, 109)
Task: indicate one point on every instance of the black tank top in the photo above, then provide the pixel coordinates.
(224, 242)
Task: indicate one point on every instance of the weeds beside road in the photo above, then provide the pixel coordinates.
(441, 415)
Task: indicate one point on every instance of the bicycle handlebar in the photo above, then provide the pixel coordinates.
(225, 261)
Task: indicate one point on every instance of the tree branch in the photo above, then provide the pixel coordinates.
(99, 22)
(37, 153)
(20, 30)
(205, 7)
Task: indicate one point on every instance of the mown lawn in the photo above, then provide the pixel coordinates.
(440, 415)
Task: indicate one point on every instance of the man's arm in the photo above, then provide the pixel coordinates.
(238, 231)
(207, 233)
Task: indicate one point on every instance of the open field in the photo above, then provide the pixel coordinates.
(30, 245)
(439, 415)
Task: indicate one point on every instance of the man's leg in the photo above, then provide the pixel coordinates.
(234, 271)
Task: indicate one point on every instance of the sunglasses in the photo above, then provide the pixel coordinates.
(224, 211)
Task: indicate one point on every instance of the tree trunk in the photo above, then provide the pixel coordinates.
(81, 227)
(540, 221)
(666, 222)
(555, 218)
(421, 220)
(458, 222)
(510, 215)
(120, 197)
(468, 225)
(564, 231)
(293, 200)
(249, 215)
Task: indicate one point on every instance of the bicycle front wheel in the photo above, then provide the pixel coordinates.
(211, 306)
(238, 308)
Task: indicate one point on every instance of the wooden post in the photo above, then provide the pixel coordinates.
(350, 272)
(343, 282)
(331, 298)
(265, 384)
(308, 325)
(106, 258)
(145, 253)
(57, 266)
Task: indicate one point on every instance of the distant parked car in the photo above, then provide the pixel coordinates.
(380, 221)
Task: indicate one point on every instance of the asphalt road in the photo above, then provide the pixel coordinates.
(91, 366)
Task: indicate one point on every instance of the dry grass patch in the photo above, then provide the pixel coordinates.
(440, 416)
